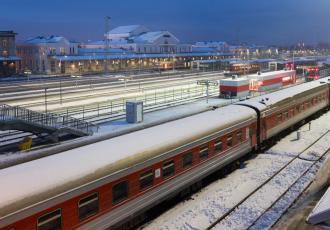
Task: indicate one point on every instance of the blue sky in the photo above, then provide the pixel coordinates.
(253, 21)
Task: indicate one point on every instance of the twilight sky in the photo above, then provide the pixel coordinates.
(253, 21)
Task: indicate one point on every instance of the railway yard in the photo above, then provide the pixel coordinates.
(99, 100)
(222, 163)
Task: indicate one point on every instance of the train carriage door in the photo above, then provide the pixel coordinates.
(263, 129)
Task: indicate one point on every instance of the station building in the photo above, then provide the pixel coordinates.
(37, 51)
(125, 48)
(9, 62)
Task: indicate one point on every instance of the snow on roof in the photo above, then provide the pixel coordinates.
(321, 211)
(279, 73)
(124, 29)
(42, 39)
(26, 184)
(150, 37)
(266, 100)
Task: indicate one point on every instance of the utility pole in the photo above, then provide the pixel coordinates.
(107, 19)
(46, 101)
(293, 59)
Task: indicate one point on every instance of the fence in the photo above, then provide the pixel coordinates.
(8, 113)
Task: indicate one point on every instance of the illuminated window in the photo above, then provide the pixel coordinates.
(62, 51)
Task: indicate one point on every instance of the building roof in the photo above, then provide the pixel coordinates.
(321, 211)
(7, 33)
(124, 29)
(43, 39)
(150, 37)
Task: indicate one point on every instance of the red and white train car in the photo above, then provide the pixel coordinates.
(234, 87)
(282, 109)
(109, 182)
(271, 80)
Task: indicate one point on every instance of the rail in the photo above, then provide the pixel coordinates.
(47, 120)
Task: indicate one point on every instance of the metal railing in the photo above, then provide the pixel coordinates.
(8, 113)
(151, 99)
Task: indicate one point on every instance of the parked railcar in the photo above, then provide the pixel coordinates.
(105, 183)
(282, 109)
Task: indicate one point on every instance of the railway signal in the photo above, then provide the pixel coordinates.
(207, 83)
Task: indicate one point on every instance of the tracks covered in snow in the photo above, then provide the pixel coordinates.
(259, 193)
(261, 211)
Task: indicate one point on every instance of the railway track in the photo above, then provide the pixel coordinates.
(97, 115)
(257, 217)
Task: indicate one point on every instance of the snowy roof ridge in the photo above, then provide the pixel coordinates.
(151, 36)
(124, 29)
(45, 39)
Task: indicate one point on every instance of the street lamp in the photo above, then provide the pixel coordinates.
(46, 101)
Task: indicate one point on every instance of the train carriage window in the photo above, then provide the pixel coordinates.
(168, 168)
(301, 108)
(285, 116)
(218, 146)
(279, 118)
(229, 141)
(119, 191)
(204, 152)
(187, 160)
(146, 179)
(307, 105)
(50, 221)
(291, 112)
(239, 136)
(88, 206)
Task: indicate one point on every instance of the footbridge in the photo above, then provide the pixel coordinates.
(18, 118)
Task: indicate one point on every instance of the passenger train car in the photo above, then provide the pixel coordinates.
(110, 182)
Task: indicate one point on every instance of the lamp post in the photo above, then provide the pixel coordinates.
(46, 101)
(107, 18)
(173, 67)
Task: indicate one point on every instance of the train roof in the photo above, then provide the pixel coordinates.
(26, 184)
(267, 100)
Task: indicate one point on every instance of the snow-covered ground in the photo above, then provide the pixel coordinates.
(205, 207)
